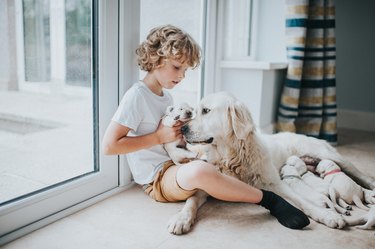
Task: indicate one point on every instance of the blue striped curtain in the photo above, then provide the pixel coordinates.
(308, 100)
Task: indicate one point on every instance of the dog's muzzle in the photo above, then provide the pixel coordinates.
(192, 138)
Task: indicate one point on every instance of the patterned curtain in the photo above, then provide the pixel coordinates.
(308, 101)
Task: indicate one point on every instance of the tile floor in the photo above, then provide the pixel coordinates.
(130, 219)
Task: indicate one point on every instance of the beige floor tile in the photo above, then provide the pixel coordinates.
(132, 220)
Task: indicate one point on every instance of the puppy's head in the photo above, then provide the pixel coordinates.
(298, 164)
(288, 170)
(182, 112)
(326, 166)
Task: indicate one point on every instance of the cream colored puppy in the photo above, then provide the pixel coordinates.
(313, 180)
(341, 186)
(177, 150)
(308, 177)
(290, 176)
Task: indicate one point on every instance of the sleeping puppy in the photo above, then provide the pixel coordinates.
(290, 176)
(313, 180)
(308, 177)
(341, 186)
(177, 149)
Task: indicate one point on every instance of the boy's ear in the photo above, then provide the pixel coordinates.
(169, 109)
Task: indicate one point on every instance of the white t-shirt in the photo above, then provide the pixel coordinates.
(141, 110)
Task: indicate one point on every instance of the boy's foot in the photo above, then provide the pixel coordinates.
(288, 215)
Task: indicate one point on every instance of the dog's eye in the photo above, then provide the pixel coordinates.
(205, 111)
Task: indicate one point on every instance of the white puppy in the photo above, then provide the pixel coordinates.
(308, 177)
(177, 149)
(290, 176)
(314, 181)
(341, 186)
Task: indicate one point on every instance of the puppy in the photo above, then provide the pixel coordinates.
(290, 175)
(313, 180)
(341, 186)
(177, 150)
(308, 177)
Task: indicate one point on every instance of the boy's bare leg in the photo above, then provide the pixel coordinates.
(201, 175)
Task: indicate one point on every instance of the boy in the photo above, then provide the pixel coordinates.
(136, 130)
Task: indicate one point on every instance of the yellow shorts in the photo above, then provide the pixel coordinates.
(165, 188)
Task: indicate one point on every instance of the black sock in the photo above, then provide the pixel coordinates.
(283, 211)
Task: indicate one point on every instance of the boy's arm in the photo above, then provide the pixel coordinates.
(116, 141)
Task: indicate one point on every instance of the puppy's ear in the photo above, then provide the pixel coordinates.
(241, 120)
(169, 109)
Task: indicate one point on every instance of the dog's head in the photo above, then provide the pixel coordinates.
(182, 112)
(217, 116)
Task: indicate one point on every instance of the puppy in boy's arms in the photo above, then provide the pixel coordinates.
(177, 150)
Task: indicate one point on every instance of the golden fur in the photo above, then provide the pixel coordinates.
(237, 149)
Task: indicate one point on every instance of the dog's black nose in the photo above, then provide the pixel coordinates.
(189, 114)
(185, 129)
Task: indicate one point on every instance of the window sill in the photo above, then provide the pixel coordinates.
(260, 65)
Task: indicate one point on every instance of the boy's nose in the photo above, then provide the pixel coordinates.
(181, 76)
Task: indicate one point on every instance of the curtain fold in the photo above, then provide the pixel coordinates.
(308, 101)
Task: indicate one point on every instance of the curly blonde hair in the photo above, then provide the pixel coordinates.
(165, 42)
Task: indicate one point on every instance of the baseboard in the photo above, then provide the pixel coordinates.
(357, 120)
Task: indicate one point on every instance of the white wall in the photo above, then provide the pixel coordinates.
(271, 43)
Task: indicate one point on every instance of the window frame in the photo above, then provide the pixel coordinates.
(32, 212)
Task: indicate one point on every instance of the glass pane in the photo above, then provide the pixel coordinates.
(46, 97)
(237, 29)
(186, 15)
(37, 40)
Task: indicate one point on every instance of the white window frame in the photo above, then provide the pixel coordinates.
(214, 44)
(117, 69)
(28, 214)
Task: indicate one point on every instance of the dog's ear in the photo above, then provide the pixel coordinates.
(241, 120)
(169, 109)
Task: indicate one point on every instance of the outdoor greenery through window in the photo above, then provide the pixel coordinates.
(46, 99)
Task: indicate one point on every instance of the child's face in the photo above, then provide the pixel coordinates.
(170, 73)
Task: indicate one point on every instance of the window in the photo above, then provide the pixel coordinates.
(238, 29)
(56, 101)
(46, 121)
(187, 15)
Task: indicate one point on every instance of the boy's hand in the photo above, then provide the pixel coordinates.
(167, 134)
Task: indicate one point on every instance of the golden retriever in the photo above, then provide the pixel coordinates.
(239, 150)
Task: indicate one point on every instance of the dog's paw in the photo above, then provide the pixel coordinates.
(333, 220)
(181, 223)
(369, 196)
